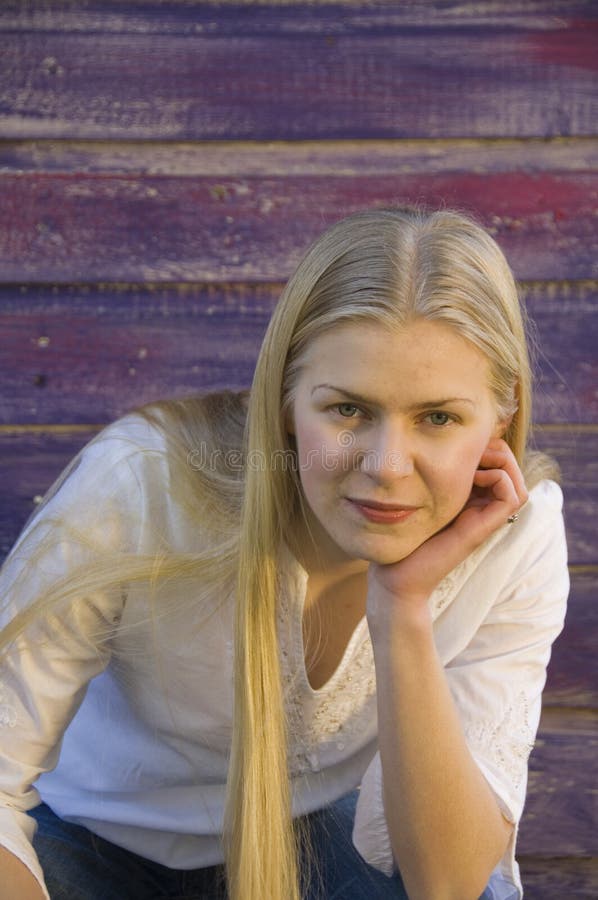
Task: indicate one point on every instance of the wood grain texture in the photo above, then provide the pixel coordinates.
(297, 72)
(77, 354)
(31, 461)
(87, 354)
(575, 451)
(557, 878)
(573, 669)
(279, 158)
(161, 228)
(284, 16)
(561, 814)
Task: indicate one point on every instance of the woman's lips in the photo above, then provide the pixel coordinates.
(378, 512)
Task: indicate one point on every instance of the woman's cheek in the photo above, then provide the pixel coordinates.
(458, 480)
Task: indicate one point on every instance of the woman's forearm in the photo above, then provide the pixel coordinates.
(17, 880)
(446, 829)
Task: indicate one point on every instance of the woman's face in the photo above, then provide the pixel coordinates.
(390, 426)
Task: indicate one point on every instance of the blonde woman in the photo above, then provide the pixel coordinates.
(233, 611)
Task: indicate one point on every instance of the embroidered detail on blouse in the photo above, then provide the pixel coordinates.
(447, 589)
(8, 714)
(342, 711)
(444, 591)
(338, 714)
(507, 743)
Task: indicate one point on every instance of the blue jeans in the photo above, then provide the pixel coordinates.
(78, 865)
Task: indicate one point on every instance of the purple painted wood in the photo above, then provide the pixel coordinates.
(354, 158)
(561, 815)
(30, 462)
(564, 331)
(298, 73)
(573, 670)
(556, 877)
(87, 354)
(110, 228)
(294, 17)
(78, 354)
(576, 454)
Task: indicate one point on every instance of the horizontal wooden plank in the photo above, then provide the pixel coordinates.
(563, 330)
(80, 354)
(297, 73)
(281, 158)
(575, 451)
(573, 669)
(30, 462)
(117, 228)
(85, 355)
(283, 17)
(561, 814)
(556, 878)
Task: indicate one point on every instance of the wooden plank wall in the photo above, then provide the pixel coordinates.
(164, 164)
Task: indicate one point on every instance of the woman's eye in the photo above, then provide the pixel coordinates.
(347, 410)
(439, 418)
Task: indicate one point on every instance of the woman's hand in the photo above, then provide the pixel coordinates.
(498, 491)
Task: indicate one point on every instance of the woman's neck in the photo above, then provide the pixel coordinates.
(323, 560)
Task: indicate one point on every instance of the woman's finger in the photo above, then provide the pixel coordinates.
(498, 455)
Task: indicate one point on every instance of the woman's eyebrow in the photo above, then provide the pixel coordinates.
(426, 404)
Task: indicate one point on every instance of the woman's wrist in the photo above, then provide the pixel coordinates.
(394, 620)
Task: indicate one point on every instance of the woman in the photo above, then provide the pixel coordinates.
(387, 604)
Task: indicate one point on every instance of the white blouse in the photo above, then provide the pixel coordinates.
(131, 738)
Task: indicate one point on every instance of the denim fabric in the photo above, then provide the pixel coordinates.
(78, 865)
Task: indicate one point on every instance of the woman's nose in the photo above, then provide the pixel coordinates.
(388, 454)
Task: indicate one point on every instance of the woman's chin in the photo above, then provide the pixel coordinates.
(385, 553)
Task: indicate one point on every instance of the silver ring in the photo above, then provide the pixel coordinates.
(513, 518)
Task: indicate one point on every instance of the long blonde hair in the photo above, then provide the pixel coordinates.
(388, 266)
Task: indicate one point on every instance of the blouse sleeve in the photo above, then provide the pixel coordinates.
(44, 674)
(496, 681)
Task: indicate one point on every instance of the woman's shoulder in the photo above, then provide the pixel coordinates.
(537, 533)
(128, 435)
(537, 538)
(541, 517)
(545, 497)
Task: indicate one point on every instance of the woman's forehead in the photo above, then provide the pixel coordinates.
(417, 341)
(417, 361)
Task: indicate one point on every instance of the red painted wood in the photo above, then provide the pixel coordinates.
(111, 228)
(299, 73)
(78, 354)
